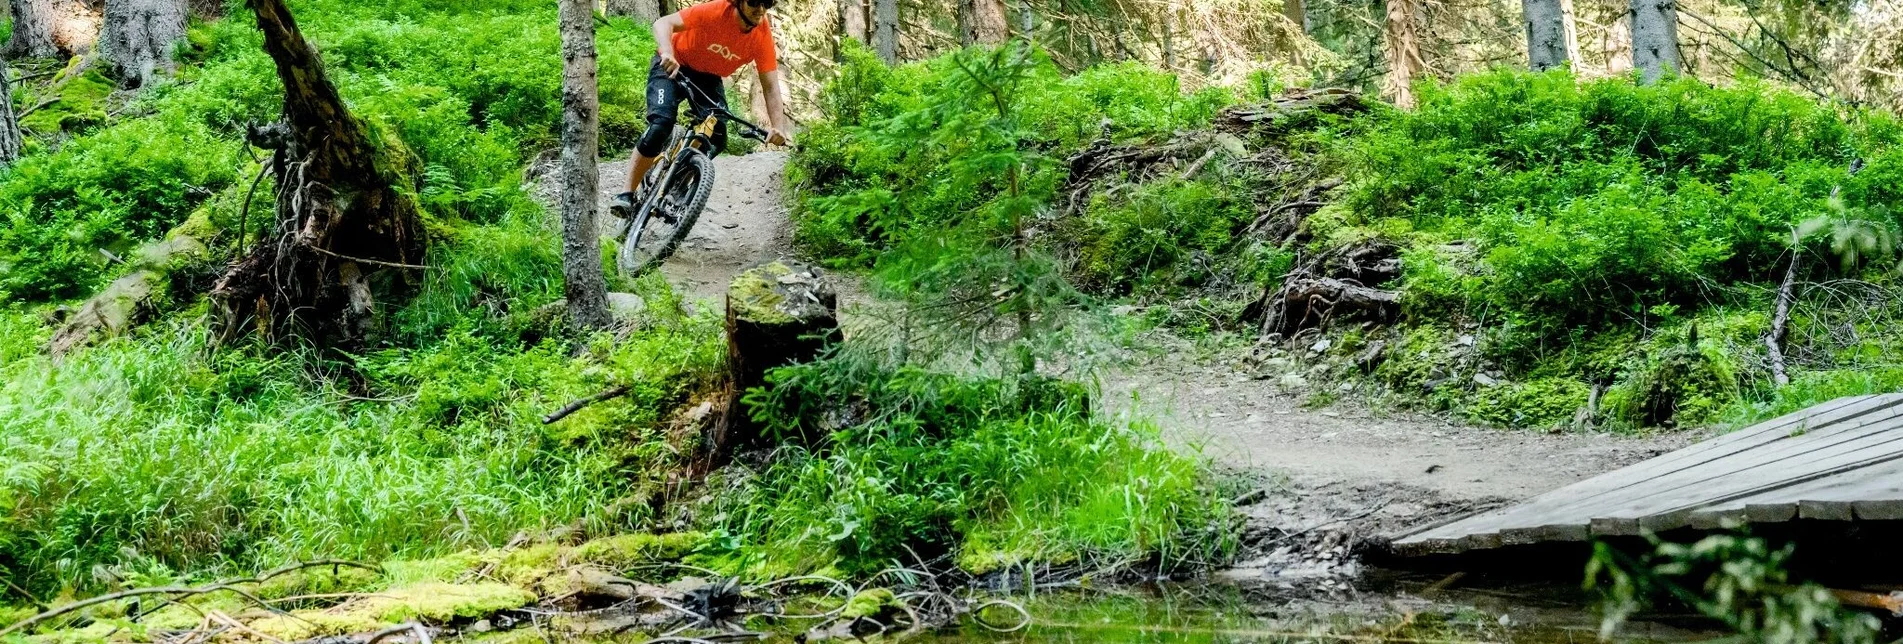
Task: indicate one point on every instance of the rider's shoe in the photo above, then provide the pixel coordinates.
(622, 205)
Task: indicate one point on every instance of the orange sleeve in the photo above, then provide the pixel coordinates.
(768, 59)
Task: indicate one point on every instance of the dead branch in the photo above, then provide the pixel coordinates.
(610, 393)
(1781, 319)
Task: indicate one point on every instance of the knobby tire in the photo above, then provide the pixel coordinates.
(689, 184)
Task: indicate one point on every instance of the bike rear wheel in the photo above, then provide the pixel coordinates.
(658, 230)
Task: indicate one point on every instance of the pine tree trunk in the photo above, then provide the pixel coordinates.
(885, 30)
(1403, 50)
(51, 28)
(586, 289)
(1654, 38)
(10, 139)
(1545, 34)
(991, 22)
(340, 219)
(138, 38)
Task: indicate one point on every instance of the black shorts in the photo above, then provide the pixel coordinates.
(665, 95)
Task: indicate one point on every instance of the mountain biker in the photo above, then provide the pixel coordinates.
(701, 45)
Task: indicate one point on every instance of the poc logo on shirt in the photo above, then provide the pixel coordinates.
(723, 52)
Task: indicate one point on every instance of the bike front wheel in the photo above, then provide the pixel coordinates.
(657, 231)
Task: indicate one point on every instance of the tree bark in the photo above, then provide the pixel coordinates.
(1027, 19)
(585, 286)
(1403, 50)
(642, 11)
(1569, 19)
(51, 28)
(853, 25)
(885, 30)
(10, 139)
(779, 313)
(990, 22)
(340, 223)
(1545, 34)
(1654, 38)
(138, 38)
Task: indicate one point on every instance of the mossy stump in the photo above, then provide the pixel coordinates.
(778, 313)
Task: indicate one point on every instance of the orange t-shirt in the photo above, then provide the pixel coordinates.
(711, 40)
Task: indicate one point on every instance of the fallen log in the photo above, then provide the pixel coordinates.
(128, 301)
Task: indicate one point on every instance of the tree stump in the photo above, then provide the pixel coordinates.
(778, 313)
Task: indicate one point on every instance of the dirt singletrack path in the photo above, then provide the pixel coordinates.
(1385, 471)
(745, 222)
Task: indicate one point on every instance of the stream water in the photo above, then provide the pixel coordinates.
(1386, 606)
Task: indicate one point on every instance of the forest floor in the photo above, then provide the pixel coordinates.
(1322, 478)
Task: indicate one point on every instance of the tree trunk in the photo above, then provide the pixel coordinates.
(1569, 20)
(139, 36)
(1404, 51)
(10, 138)
(1545, 34)
(885, 30)
(642, 11)
(586, 289)
(340, 219)
(779, 313)
(1027, 19)
(991, 22)
(853, 25)
(1654, 38)
(50, 28)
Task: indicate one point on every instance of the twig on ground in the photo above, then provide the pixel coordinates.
(605, 394)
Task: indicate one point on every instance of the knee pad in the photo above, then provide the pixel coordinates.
(654, 141)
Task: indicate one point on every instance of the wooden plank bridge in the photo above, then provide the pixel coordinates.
(1841, 460)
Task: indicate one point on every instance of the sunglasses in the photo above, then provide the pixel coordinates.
(763, 4)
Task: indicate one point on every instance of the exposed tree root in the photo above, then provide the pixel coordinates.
(340, 217)
(1337, 284)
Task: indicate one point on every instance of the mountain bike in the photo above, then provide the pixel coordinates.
(676, 189)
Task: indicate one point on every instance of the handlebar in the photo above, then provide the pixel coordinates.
(747, 128)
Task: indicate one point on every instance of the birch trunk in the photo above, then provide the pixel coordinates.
(139, 36)
(585, 286)
(1545, 34)
(885, 30)
(1404, 51)
(1654, 38)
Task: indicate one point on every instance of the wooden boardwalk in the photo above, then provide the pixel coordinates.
(1841, 460)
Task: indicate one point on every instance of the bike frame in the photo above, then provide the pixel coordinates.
(700, 137)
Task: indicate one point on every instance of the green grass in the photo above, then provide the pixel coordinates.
(152, 451)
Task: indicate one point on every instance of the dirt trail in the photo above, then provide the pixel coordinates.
(1355, 472)
(1346, 473)
(745, 222)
